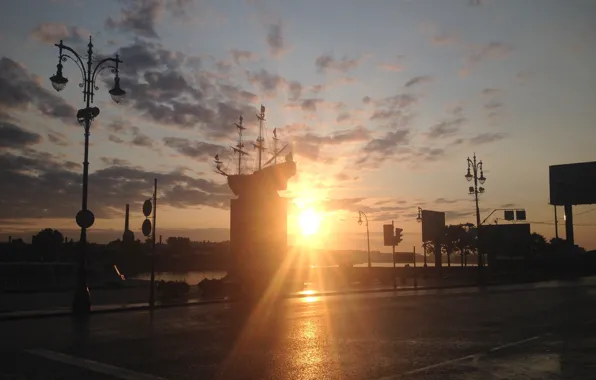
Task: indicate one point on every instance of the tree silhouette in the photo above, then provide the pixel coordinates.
(48, 243)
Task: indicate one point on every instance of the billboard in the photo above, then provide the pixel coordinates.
(433, 225)
(508, 240)
(573, 184)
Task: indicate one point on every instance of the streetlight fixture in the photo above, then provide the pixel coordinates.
(474, 169)
(360, 215)
(90, 70)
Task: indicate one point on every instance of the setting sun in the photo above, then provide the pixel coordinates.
(309, 222)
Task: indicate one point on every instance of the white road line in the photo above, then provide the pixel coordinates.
(93, 366)
(464, 358)
(516, 343)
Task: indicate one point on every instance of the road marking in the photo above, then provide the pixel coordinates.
(94, 366)
(516, 343)
(464, 358)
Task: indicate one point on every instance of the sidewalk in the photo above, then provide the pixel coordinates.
(404, 290)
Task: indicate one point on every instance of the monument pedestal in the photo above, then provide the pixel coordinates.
(258, 236)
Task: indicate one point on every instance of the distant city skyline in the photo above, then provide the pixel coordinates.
(382, 104)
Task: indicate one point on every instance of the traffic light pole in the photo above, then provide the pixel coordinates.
(393, 255)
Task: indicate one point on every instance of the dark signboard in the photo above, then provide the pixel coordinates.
(573, 184)
(506, 240)
(433, 225)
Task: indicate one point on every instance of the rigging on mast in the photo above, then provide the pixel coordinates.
(260, 140)
(238, 148)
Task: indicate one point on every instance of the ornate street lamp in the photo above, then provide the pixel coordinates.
(360, 215)
(89, 70)
(475, 172)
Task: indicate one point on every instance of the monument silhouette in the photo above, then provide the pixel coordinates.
(258, 216)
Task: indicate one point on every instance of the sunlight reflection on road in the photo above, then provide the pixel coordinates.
(311, 298)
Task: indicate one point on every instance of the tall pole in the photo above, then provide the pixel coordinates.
(81, 304)
(556, 222)
(260, 139)
(415, 270)
(360, 214)
(368, 243)
(393, 255)
(152, 283)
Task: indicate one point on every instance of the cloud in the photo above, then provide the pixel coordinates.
(493, 105)
(52, 32)
(19, 90)
(138, 17)
(491, 91)
(276, 40)
(137, 138)
(344, 116)
(391, 67)
(12, 136)
(169, 89)
(309, 145)
(141, 16)
(445, 39)
(419, 80)
(446, 201)
(310, 105)
(378, 150)
(397, 109)
(42, 186)
(140, 139)
(491, 51)
(116, 139)
(328, 62)
(266, 82)
(446, 128)
(58, 138)
(341, 204)
(486, 138)
(240, 55)
(194, 149)
(524, 77)
(295, 89)
(430, 154)
(110, 161)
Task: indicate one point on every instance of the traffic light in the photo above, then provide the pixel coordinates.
(398, 235)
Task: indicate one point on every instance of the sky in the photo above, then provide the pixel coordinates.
(381, 102)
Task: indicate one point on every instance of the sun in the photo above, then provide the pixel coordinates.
(309, 222)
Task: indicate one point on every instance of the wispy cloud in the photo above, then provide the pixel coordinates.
(52, 32)
(419, 80)
(492, 51)
(276, 39)
(486, 138)
(327, 62)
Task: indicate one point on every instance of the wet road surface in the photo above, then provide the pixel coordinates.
(540, 333)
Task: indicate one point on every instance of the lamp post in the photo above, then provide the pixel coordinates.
(90, 70)
(419, 220)
(360, 215)
(475, 168)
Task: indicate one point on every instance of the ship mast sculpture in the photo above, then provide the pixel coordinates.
(258, 216)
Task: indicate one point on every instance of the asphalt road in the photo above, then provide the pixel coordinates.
(537, 333)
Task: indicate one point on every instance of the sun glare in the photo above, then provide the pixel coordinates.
(309, 222)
